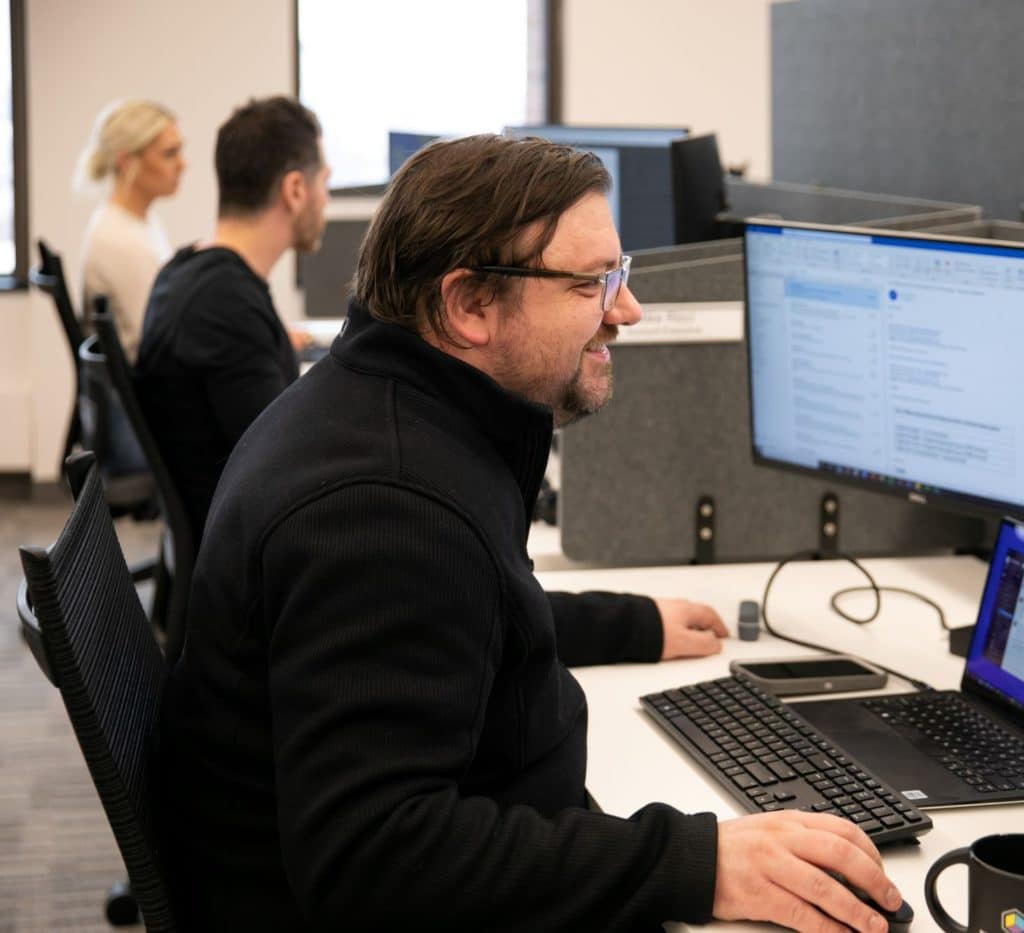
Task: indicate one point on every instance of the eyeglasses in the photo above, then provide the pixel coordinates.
(611, 282)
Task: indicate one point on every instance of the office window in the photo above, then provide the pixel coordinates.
(12, 144)
(446, 68)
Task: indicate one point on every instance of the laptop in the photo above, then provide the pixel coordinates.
(951, 748)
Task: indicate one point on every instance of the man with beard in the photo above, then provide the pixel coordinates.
(373, 726)
(214, 353)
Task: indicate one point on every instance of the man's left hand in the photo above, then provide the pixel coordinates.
(691, 630)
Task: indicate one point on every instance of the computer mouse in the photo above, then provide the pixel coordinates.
(899, 919)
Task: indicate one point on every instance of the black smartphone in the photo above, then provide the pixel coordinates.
(815, 674)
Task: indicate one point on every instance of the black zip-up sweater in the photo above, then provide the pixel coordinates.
(372, 727)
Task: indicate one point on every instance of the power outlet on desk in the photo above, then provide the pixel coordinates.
(960, 640)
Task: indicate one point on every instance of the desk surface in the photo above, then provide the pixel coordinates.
(632, 762)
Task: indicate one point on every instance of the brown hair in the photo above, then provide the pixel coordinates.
(257, 146)
(462, 203)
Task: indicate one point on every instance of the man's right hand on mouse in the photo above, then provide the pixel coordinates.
(774, 867)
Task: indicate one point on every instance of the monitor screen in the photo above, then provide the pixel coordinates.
(638, 160)
(401, 145)
(889, 361)
(995, 662)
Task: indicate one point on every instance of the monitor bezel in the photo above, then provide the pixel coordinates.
(948, 501)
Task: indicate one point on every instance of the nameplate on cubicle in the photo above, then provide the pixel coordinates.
(686, 322)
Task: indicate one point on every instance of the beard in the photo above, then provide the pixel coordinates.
(577, 399)
(308, 231)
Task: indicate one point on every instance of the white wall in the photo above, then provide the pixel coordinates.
(199, 57)
(703, 64)
(694, 62)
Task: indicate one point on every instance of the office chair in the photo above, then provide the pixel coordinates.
(48, 276)
(89, 633)
(177, 548)
(128, 483)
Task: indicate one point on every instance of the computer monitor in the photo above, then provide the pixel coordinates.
(401, 145)
(699, 201)
(638, 160)
(890, 361)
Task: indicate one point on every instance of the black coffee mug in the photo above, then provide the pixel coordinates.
(995, 886)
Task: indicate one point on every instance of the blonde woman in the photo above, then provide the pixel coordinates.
(136, 146)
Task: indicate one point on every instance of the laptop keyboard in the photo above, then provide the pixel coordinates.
(770, 758)
(961, 738)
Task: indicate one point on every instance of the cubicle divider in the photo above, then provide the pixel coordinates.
(818, 204)
(1010, 230)
(664, 474)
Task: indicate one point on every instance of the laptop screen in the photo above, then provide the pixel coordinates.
(995, 661)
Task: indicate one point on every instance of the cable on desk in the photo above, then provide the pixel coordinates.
(872, 587)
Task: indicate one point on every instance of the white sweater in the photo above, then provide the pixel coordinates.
(121, 256)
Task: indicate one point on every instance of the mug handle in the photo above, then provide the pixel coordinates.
(938, 912)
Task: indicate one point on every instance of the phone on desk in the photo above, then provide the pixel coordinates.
(832, 673)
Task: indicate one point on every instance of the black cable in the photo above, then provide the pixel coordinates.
(834, 602)
(872, 587)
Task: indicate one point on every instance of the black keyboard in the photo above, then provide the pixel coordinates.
(770, 758)
(958, 736)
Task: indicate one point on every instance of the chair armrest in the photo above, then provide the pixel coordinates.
(31, 632)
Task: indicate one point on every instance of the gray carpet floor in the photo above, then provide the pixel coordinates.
(57, 853)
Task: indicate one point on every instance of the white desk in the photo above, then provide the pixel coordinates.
(632, 762)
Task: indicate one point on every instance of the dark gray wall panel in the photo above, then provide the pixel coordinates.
(914, 97)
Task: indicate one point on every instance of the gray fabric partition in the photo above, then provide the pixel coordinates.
(678, 429)
(920, 97)
(1007, 230)
(826, 205)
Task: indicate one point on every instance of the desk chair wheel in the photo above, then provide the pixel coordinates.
(122, 910)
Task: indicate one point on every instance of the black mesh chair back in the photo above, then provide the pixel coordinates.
(101, 654)
(48, 276)
(106, 431)
(179, 551)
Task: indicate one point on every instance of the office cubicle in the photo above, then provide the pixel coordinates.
(664, 474)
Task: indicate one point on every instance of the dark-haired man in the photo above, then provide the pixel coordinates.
(372, 727)
(214, 352)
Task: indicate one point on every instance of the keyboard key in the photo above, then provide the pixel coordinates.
(762, 774)
(782, 771)
(694, 734)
